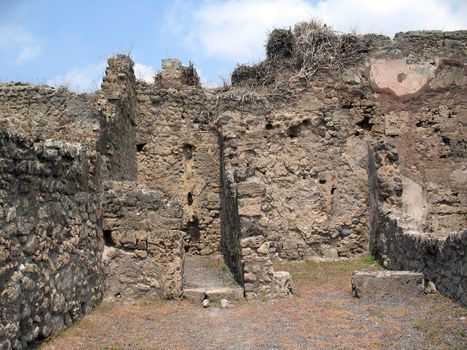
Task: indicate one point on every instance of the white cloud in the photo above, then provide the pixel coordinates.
(28, 52)
(144, 73)
(20, 41)
(236, 29)
(177, 16)
(390, 17)
(85, 79)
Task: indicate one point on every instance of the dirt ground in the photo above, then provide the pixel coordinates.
(322, 315)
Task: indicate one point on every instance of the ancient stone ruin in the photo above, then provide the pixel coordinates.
(334, 146)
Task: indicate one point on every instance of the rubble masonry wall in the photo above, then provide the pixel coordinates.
(179, 154)
(442, 259)
(51, 270)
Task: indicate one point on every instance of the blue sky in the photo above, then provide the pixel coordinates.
(68, 42)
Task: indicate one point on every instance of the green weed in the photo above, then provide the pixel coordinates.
(461, 332)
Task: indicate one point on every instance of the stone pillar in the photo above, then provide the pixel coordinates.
(117, 103)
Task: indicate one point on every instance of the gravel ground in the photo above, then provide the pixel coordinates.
(322, 315)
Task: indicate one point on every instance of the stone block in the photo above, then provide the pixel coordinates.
(264, 249)
(387, 284)
(252, 242)
(250, 189)
(249, 207)
(283, 284)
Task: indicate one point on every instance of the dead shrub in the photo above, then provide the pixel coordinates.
(309, 48)
(254, 75)
(244, 73)
(319, 47)
(280, 44)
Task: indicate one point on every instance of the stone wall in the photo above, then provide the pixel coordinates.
(300, 173)
(142, 227)
(178, 153)
(301, 148)
(424, 44)
(295, 155)
(442, 260)
(230, 220)
(245, 249)
(274, 167)
(43, 112)
(51, 244)
(117, 105)
(424, 73)
(401, 245)
(144, 242)
(107, 117)
(259, 276)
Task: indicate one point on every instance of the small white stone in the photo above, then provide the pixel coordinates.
(430, 288)
(206, 303)
(225, 303)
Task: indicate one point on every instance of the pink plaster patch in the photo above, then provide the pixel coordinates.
(399, 77)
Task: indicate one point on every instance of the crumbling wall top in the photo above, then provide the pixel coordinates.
(174, 74)
(44, 112)
(118, 86)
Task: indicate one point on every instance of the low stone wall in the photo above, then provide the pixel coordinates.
(50, 243)
(144, 242)
(399, 244)
(442, 260)
(259, 275)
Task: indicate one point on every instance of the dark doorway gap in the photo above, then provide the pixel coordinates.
(108, 241)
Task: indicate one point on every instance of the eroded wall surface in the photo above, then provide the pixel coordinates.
(178, 153)
(51, 270)
(398, 243)
(255, 172)
(116, 105)
(427, 124)
(144, 242)
(298, 154)
(299, 173)
(42, 112)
